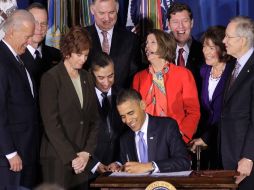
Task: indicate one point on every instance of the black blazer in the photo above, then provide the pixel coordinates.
(195, 61)
(108, 144)
(50, 57)
(18, 112)
(125, 52)
(237, 119)
(165, 145)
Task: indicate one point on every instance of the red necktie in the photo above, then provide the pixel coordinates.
(180, 59)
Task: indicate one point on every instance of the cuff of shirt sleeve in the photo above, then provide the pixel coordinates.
(11, 155)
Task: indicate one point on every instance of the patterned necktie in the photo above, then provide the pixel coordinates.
(105, 43)
(105, 104)
(142, 148)
(235, 73)
(180, 59)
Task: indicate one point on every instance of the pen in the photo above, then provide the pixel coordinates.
(127, 157)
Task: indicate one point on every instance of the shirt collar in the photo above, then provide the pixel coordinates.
(110, 32)
(243, 60)
(144, 126)
(98, 93)
(10, 48)
(32, 50)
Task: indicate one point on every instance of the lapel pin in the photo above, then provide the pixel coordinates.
(151, 138)
(84, 82)
(248, 71)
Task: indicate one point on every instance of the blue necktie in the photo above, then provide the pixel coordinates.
(142, 148)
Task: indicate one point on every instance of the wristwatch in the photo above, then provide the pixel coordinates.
(153, 167)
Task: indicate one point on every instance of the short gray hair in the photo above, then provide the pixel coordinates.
(117, 3)
(245, 28)
(17, 19)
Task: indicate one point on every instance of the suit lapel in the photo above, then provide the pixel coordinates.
(69, 85)
(151, 139)
(96, 39)
(114, 43)
(245, 72)
(132, 150)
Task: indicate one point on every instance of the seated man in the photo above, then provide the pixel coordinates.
(153, 144)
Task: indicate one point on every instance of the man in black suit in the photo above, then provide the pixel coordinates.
(39, 57)
(111, 126)
(19, 146)
(160, 149)
(180, 22)
(237, 118)
(122, 45)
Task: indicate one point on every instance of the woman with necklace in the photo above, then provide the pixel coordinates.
(168, 90)
(214, 74)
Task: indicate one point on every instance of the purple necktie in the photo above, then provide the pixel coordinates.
(142, 148)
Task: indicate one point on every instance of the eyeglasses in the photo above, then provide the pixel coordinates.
(230, 37)
(41, 24)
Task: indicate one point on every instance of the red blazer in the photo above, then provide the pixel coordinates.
(182, 97)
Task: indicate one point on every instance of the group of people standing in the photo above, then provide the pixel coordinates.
(67, 116)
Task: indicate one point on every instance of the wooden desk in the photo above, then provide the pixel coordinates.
(220, 179)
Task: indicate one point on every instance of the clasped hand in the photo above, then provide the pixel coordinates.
(80, 162)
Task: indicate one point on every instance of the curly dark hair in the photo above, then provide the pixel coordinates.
(75, 41)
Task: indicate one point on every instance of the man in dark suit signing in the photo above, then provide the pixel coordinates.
(19, 146)
(122, 45)
(39, 57)
(153, 144)
(111, 126)
(188, 51)
(237, 118)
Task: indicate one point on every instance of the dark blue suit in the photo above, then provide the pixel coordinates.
(18, 121)
(237, 122)
(165, 145)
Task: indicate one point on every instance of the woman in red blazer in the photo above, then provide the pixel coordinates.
(167, 89)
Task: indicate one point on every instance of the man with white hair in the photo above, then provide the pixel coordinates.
(19, 146)
(237, 118)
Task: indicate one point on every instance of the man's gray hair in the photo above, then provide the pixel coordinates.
(117, 3)
(17, 19)
(245, 28)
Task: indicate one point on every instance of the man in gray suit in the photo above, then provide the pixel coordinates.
(237, 118)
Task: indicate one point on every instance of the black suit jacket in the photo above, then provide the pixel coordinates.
(165, 145)
(237, 120)
(108, 144)
(18, 112)
(195, 61)
(125, 52)
(50, 57)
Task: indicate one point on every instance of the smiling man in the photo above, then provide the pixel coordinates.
(110, 126)
(152, 144)
(39, 57)
(19, 145)
(189, 51)
(121, 45)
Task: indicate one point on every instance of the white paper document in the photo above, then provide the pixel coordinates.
(126, 174)
(172, 174)
(169, 174)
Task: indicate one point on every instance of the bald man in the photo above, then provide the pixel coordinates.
(19, 144)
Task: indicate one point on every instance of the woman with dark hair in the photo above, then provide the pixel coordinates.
(214, 76)
(167, 89)
(69, 114)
